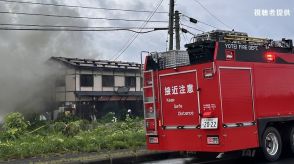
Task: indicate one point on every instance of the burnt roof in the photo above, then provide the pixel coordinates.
(97, 64)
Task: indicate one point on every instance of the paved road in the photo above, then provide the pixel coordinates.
(232, 161)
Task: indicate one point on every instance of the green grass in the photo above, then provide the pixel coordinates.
(76, 136)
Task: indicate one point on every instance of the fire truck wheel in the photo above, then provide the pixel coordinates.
(291, 139)
(271, 144)
(202, 156)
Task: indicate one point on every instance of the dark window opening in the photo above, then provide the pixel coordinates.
(86, 80)
(130, 81)
(107, 81)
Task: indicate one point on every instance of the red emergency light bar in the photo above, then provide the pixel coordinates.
(270, 57)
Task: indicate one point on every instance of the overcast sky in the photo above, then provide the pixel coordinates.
(23, 53)
(238, 14)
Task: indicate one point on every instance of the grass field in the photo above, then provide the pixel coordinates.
(22, 139)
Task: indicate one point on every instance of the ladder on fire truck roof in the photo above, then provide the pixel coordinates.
(149, 103)
(230, 36)
(246, 39)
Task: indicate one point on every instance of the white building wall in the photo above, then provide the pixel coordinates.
(138, 84)
(131, 74)
(97, 82)
(86, 88)
(60, 96)
(70, 96)
(119, 81)
(70, 82)
(86, 72)
(70, 71)
(77, 82)
(60, 89)
(107, 88)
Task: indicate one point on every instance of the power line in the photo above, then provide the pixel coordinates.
(207, 24)
(187, 31)
(81, 30)
(192, 27)
(79, 17)
(135, 36)
(67, 26)
(183, 34)
(184, 37)
(83, 7)
(193, 20)
(210, 13)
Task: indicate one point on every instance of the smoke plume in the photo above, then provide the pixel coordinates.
(25, 82)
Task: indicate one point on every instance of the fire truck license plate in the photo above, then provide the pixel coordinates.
(209, 123)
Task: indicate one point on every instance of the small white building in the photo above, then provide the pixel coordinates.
(92, 88)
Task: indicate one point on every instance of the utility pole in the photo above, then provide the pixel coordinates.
(171, 24)
(177, 29)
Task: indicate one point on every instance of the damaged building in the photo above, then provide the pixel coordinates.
(92, 88)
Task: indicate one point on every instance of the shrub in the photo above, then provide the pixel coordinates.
(72, 129)
(58, 127)
(61, 137)
(108, 117)
(14, 125)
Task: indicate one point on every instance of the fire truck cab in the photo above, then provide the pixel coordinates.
(227, 92)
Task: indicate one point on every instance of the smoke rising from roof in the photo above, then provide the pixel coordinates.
(24, 76)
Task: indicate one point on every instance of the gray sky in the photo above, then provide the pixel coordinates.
(23, 53)
(238, 14)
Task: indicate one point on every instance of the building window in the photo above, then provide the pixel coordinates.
(86, 80)
(130, 81)
(107, 81)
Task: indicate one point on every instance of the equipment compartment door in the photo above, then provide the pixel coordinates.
(179, 100)
(236, 95)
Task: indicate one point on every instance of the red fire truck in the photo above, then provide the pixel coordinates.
(227, 92)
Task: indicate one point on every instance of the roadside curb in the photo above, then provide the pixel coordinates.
(111, 157)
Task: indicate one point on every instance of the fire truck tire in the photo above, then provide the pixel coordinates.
(202, 156)
(271, 144)
(291, 139)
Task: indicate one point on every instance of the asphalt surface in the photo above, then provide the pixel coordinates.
(225, 161)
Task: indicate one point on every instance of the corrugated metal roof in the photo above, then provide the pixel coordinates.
(107, 93)
(91, 63)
